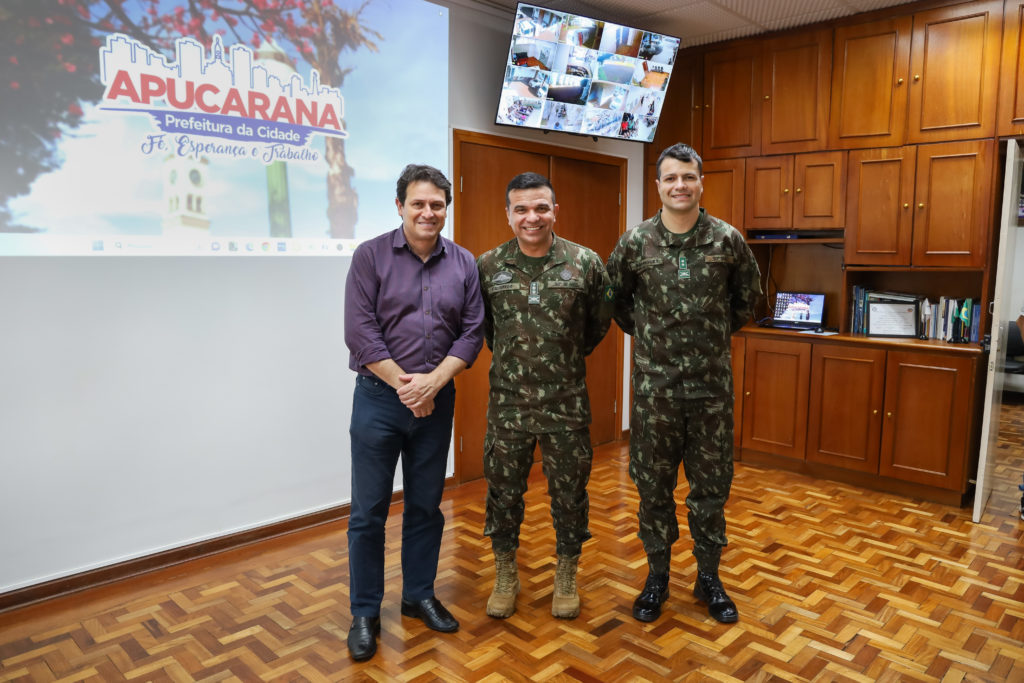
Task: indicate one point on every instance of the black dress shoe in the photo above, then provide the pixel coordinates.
(433, 614)
(647, 606)
(709, 589)
(362, 637)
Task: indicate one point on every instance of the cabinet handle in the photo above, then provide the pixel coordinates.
(707, 106)
(906, 205)
(889, 414)
(899, 81)
(696, 107)
(875, 411)
(799, 190)
(786, 191)
(746, 393)
(917, 77)
(921, 205)
(767, 97)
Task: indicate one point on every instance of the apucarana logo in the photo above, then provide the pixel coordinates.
(241, 107)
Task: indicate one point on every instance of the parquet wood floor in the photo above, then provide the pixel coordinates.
(833, 584)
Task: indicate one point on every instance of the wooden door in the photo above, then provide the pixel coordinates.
(481, 224)
(796, 74)
(723, 190)
(819, 190)
(775, 383)
(769, 201)
(954, 72)
(953, 203)
(588, 214)
(483, 166)
(879, 206)
(870, 71)
(732, 85)
(845, 415)
(928, 399)
(1010, 116)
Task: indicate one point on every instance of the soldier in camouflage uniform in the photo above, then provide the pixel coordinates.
(684, 282)
(547, 305)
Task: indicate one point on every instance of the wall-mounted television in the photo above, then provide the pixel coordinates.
(575, 74)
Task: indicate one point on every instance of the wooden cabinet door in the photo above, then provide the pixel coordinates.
(795, 77)
(775, 384)
(953, 203)
(682, 111)
(737, 348)
(819, 190)
(925, 429)
(769, 201)
(879, 206)
(846, 397)
(723, 190)
(954, 73)
(870, 68)
(1010, 112)
(732, 126)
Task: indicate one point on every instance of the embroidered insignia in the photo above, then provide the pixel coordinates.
(566, 274)
(502, 277)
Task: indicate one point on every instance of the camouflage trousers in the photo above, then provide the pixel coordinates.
(565, 458)
(699, 434)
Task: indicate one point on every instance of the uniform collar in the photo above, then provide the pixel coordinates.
(557, 255)
(699, 235)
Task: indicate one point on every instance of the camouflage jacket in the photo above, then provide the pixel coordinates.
(540, 329)
(681, 297)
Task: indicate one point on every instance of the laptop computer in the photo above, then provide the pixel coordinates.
(798, 310)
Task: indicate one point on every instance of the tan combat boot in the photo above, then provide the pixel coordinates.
(502, 603)
(565, 603)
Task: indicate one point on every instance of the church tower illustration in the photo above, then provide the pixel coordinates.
(186, 210)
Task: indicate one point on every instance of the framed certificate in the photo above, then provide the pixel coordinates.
(890, 319)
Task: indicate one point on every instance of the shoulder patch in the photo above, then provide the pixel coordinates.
(501, 277)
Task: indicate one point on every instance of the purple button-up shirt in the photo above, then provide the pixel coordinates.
(413, 312)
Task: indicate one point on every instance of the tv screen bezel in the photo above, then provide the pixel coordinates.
(536, 89)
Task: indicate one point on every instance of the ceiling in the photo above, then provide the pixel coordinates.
(697, 22)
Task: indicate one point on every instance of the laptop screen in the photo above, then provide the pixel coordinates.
(799, 309)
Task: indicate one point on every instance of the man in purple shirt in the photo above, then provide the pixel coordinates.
(413, 320)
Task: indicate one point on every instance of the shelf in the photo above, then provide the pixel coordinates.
(788, 242)
(914, 269)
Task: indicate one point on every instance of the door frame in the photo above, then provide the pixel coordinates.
(460, 136)
(992, 398)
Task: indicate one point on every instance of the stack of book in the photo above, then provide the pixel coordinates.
(896, 314)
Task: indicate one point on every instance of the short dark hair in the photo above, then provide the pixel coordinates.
(414, 173)
(528, 181)
(681, 152)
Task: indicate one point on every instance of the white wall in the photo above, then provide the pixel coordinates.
(147, 403)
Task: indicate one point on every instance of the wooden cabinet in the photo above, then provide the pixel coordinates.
(879, 206)
(954, 72)
(798, 191)
(1010, 112)
(775, 383)
(796, 71)
(927, 420)
(737, 348)
(920, 206)
(870, 68)
(896, 415)
(846, 399)
(953, 196)
(681, 113)
(732, 109)
(723, 190)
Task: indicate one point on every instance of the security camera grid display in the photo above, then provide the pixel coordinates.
(580, 75)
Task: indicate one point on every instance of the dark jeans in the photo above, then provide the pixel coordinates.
(381, 430)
